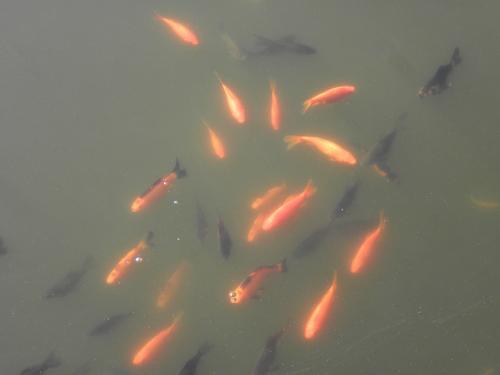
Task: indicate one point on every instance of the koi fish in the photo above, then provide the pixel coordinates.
(225, 242)
(50, 362)
(70, 281)
(271, 193)
(484, 204)
(155, 343)
(216, 143)
(329, 148)
(255, 228)
(288, 208)
(109, 324)
(345, 201)
(439, 81)
(321, 312)
(330, 95)
(265, 364)
(233, 102)
(250, 286)
(131, 257)
(265, 46)
(171, 286)
(191, 364)
(158, 188)
(181, 30)
(365, 250)
(275, 109)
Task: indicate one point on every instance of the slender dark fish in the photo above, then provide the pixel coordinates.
(312, 241)
(109, 324)
(50, 362)
(287, 44)
(191, 365)
(380, 151)
(345, 201)
(3, 248)
(439, 82)
(201, 223)
(84, 369)
(70, 281)
(265, 364)
(225, 242)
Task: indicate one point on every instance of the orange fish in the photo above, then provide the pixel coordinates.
(172, 285)
(329, 148)
(484, 204)
(255, 228)
(366, 248)
(181, 30)
(131, 257)
(233, 102)
(267, 197)
(250, 286)
(288, 208)
(275, 111)
(154, 344)
(321, 311)
(158, 188)
(217, 145)
(329, 96)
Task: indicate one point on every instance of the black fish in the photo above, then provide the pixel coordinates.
(312, 241)
(287, 44)
(69, 282)
(439, 82)
(3, 248)
(265, 364)
(346, 201)
(109, 324)
(191, 365)
(84, 369)
(380, 151)
(50, 362)
(225, 243)
(201, 223)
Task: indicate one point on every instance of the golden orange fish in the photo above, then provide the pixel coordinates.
(329, 148)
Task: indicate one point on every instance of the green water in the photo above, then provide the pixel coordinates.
(96, 101)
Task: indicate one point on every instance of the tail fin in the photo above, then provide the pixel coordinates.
(52, 361)
(307, 105)
(282, 266)
(334, 278)
(309, 190)
(204, 349)
(291, 140)
(180, 173)
(455, 57)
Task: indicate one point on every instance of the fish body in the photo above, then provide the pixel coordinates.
(265, 364)
(275, 108)
(331, 149)
(255, 228)
(201, 223)
(321, 312)
(172, 285)
(267, 197)
(109, 324)
(225, 242)
(181, 30)
(70, 281)
(345, 201)
(288, 209)
(249, 287)
(191, 364)
(367, 245)
(287, 44)
(50, 362)
(218, 148)
(439, 81)
(484, 204)
(233, 102)
(309, 244)
(330, 95)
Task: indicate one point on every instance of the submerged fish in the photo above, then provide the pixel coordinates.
(3, 248)
(191, 364)
(330, 95)
(328, 147)
(70, 281)
(225, 242)
(109, 324)
(365, 250)
(345, 201)
(439, 82)
(232, 48)
(288, 44)
(265, 364)
(201, 223)
(50, 362)
(312, 241)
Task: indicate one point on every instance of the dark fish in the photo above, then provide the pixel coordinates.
(201, 223)
(109, 324)
(191, 365)
(265, 364)
(439, 82)
(50, 362)
(346, 201)
(225, 243)
(287, 44)
(69, 282)
(3, 248)
(312, 241)
(380, 151)
(84, 369)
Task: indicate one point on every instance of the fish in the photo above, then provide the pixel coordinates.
(288, 209)
(383, 169)
(331, 149)
(225, 242)
(331, 95)
(172, 285)
(153, 345)
(288, 44)
(255, 228)
(484, 203)
(70, 281)
(274, 108)
(265, 363)
(50, 362)
(312, 241)
(249, 287)
(3, 248)
(345, 201)
(131, 257)
(84, 369)
(320, 313)
(181, 30)
(201, 223)
(109, 324)
(158, 188)
(367, 245)
(217, 146)
(267, 197)
(232, 48)
(233, 102)
(191, 364)
(439, 81)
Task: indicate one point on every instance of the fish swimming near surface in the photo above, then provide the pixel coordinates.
(274, 108)
(288, 44)
(109, 324)
(267, 197)
(365, 250)
(218, 148)
(234, 104)
(328, 147)
(345, 201)
(50, 362)
(181, 30)
(70, 281)
(265, 363)
(191, 364)
(201, 223)
(3, 248)
(225, 242)
(331, 95)
(439, 81)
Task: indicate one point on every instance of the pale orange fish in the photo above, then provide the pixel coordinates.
(275, 108)
(268, 196)
(484, 204)
(216, 143)
(255, 228)
(181, 30)
(365, 250)
(330, 95)
(321, 312)
(233, 102)
(329, 148)
(172, 285)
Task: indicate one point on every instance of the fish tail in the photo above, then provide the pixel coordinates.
(292, 140)
(282, 266)
(204, 349)
(309, 189)
(307, 105)
(382, 219)
(178, 317)
(179, 172)
(52, 361)
(334, 277)
(456, 58)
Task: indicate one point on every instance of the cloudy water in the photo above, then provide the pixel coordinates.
(97, 101)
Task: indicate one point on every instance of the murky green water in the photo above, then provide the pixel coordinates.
(96, 101)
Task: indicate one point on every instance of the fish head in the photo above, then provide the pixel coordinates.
(235, 296)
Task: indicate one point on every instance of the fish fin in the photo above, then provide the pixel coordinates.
(52, 361)
(180, 173)
(291, 140)
(307, 105)
(282, 266)
(456, 58)
(309, 189)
